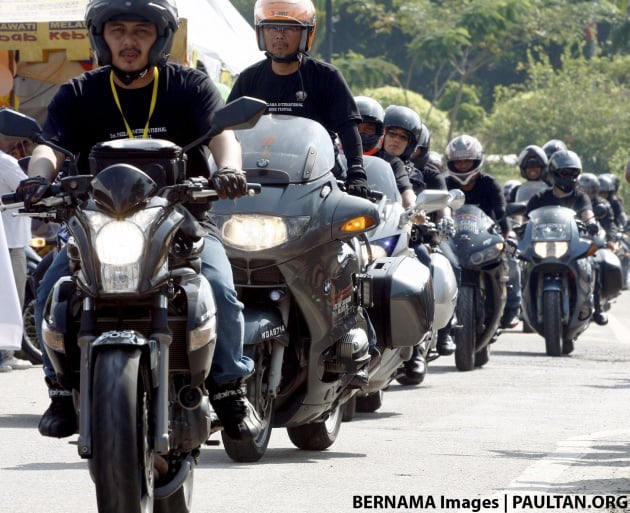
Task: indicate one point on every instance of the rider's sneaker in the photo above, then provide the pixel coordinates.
(509, 319)
(17, 363)
(600, 318)
(5, 368)
(60, 419)
(238, 417)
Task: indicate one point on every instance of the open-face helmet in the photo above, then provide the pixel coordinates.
(407, 119)
(161, 12)
(464, 147)
(286, 12)
(564, 169)
(533, 155)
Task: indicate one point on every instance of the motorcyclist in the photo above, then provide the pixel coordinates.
(402, 132)
(589, 184)
(563, 171)
(426, 173)
(137, 93)
(292, 82)
(532, 163)
(372, 130)
(608, 187)
(464, 160)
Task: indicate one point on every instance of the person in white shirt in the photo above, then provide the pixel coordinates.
(18, 233)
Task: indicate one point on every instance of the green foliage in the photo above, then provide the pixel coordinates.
(435, 120)
(364, 72)
(471, 115)
(579, 104)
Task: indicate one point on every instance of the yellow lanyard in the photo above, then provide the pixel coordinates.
(145, 133)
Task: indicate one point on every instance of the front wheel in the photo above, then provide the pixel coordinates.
(466, 333)
(552, 322)
(318, 435)
(122, 454)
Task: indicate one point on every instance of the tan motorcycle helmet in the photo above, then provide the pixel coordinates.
(286, 12)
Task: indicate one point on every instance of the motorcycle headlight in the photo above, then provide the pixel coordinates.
(551, 249)
(254, 232)
(488, 254)
(119, 246)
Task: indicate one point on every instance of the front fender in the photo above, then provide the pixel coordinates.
(263, 325)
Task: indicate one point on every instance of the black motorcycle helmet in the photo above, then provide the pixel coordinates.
(589, 184)
(161, 12)
(563, 170)
(407, 119)
(533, 155)
(607, 184)
(420, 154)
(553, 145)
(371, 112)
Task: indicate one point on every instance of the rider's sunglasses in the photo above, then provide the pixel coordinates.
(281, 29)
(568, 173)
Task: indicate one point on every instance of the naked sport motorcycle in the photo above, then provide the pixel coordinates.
(132, 331)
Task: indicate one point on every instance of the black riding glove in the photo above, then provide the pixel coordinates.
(356, 182)
(229, 183)
(31, 190)
(593, 228)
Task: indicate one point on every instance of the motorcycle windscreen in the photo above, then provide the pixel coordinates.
(380, 176)
(471, 219)
(552, 223)
(283, 149)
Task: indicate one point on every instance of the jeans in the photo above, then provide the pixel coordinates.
(229, 363)
(513, 302)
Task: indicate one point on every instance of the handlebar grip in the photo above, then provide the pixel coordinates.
(7, 199)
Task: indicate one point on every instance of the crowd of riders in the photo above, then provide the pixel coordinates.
(292, 82)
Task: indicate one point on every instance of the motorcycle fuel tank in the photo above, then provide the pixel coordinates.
(403, 306)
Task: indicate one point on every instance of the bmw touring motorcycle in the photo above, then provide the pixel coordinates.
(297, 265)
(132, 332)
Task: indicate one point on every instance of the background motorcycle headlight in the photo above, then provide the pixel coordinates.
(488, 254)
(257, 232)
(551, 249)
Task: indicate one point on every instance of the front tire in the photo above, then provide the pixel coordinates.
(123, 458)
(552, 322)
(318, 435)
(466, 334)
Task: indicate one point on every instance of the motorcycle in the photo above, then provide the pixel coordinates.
(132, 331)
(481, 251)
(558, 276)
(297, 266)
(391, 239)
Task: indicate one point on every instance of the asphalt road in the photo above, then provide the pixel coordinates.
(527, 432)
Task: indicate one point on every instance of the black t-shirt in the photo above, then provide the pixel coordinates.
(328, 98)
(487, 195)
(316, 91)
(84, 112)
(577, 201)
(399, 169)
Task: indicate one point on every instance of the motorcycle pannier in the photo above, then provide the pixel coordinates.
(403, 301)
(610, 272)
(162, 160)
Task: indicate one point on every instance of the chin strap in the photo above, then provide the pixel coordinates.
(292, 58)
(128, 78)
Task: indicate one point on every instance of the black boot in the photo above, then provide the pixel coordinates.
(445, 345)
(238, 417)
(60, 419)
(509, 319)
(599, 316)
(414, 369)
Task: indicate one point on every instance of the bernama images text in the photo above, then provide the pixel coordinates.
(505, 503)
